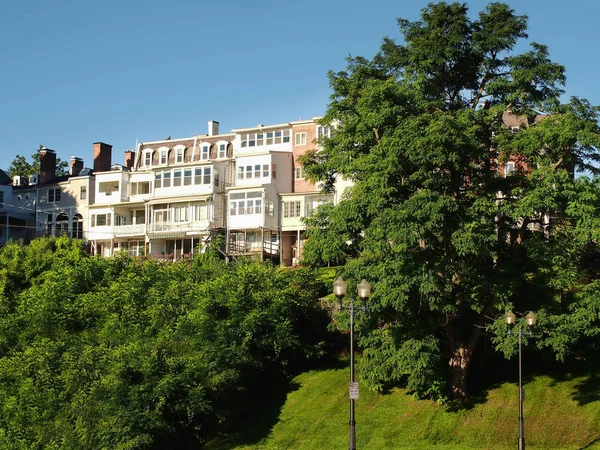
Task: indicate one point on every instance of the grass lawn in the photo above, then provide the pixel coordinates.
(559, 414)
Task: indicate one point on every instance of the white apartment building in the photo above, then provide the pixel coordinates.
(171, 197)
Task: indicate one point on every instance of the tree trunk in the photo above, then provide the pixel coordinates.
(460, 360)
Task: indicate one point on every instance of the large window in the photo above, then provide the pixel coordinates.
(291, 209)
(268, 138)
(245, 203)
(253, 171)
(54, 195)
(183, 177)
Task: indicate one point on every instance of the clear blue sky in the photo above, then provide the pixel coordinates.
(76, 72)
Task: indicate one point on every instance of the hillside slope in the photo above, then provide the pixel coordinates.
(561, 414)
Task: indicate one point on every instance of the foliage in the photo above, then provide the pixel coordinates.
(20, 166)
(131, 354)
(450, 242)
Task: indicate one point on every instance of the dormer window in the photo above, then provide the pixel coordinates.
(179, 153)
(147, 158)
(164, 155)
(205, 155)
(222, 150)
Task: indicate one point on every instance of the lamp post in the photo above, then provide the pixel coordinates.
(364, 291)
(530, 320)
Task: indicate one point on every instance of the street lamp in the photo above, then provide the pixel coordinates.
(530, 320)
(364, 292)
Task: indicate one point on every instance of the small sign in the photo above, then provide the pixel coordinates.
(354, 390)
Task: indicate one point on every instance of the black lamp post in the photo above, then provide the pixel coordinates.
(530, 320)
(364, 291)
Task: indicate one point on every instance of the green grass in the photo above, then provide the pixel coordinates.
(561, 414)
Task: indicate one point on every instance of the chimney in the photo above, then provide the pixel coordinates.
(129, 158)
(47, 165)
(75, 166)
(213, 127)
(102, 157)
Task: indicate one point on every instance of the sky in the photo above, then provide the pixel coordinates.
(77, 72)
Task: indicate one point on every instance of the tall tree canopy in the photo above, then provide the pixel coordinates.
(20, 166)
(437, 219)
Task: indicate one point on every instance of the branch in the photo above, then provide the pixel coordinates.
(558, 163)
(481, 88)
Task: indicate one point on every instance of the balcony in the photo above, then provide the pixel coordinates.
(177, 229)
(130, 230)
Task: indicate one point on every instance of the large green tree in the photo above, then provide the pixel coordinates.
(20, 166)
(426, 128)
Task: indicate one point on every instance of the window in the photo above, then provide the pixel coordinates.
(270, 204)
(509, 168)
(272, 138)
(179, 213)
(323, 132)
(166, 179)
(245, 203)
(265, 171)
(200, 212)
(142, 187)
(100, 220)
(299, 173)
(120, 220)
(1, 197)
(240, 173)
(83, 192)
(222, 151)
(164, 156)
(291, 209)
(273, 170)
(257, 171)
(205, 152)
(158, 180)
(54, 195)
(198, 175)
(179, 154)
(148, 158)
(207, 175)
(249, 172)
(300, 138)
(177, 177)
(187, 177)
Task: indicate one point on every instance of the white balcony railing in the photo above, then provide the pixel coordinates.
(130, 230)
(175, 227)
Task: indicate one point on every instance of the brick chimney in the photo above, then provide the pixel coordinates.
(47, 165)
(102, 157)
(75, 166)
(129, 158)
(213, 128)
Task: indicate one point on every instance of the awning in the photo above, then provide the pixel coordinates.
(183, 199)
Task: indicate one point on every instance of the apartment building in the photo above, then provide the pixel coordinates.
(170, 197)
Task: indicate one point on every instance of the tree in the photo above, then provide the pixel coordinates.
(20, 166)
(448, 239)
